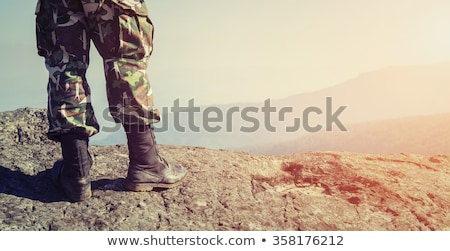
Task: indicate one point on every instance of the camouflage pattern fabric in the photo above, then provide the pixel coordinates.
(122, 33)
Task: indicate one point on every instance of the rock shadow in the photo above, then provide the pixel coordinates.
(115, 185)
(35, 187)
(40, 187)
(108, 184)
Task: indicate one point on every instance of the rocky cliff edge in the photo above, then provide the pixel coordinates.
(224, 190)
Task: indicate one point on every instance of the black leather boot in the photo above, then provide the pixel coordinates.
(72, 172)
(147, 168)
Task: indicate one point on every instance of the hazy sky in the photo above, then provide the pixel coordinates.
(246, 50)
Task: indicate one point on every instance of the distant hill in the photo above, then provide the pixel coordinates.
(426, 135)
(392, 92)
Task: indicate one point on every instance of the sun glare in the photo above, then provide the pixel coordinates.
(434, 33)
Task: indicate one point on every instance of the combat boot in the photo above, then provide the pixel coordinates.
(147, 169)
(71, 173)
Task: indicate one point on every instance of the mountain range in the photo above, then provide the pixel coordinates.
(426, 135)
(390, 93)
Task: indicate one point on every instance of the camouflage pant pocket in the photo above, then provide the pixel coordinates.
(135, 36)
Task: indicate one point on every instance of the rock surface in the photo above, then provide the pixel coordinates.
(224, 190)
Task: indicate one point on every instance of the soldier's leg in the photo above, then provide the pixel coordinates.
(123, 33)
(63, 40)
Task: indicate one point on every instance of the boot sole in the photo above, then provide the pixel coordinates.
(81, 197)
(147, 187)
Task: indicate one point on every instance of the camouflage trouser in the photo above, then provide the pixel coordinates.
(122, 33)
